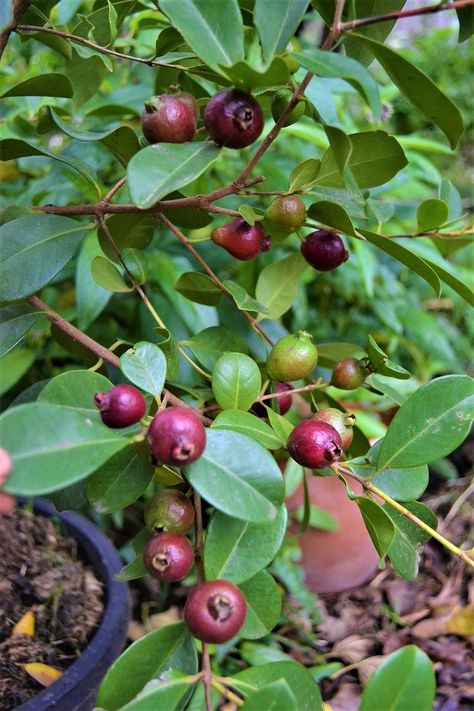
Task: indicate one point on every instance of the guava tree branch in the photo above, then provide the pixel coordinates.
(425, 10)
(18, 8)
(463, 555)
(94, 347)
(93, 45)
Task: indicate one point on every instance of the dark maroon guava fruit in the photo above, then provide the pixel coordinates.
(233, 119)
(121, 406)
(215, 611)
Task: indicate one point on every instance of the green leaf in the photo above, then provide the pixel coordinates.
(245, 77)
(405, 679)
(375, 159)
(431, 214)
(236, 381)
(34, 249)
(300, 681)
(75, 389)
(281, 426)
(402, 484)
(276, 23)
(62, 447)
(12, 148)
(263, 598)
(127, 230)
(91, 298)
(108, 276)
(208, 345)
(431, 423)
(317, 517)
(238, 477)
(278, 283)
(168, 692)
(452, 281)
(170, 647)
(132, 571)
(119, 482)
(145, 366)
(420, 90)
(330, 64)
(13, 366)
(236, 550)
(378, 524)
(304, 174)
(466, 22)
(135, 264)
(199, 288)
(242, 300)
(405, 549)
(42, 85)
(330, 353)
(332, 215)
(15, 322)
(248, 424)
(272, 697)
(157, 170)
(248, 214)
(405, 256)
(212, 28)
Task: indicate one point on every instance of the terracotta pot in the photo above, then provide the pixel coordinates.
(334, 560)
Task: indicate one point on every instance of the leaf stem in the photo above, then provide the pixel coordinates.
(227, 693)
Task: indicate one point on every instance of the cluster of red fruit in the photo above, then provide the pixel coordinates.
(234, 119)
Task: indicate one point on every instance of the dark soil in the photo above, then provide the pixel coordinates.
(40, 571)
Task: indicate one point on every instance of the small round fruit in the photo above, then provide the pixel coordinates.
(168, 557)
(176, 436)
(121, 406)
(342, 422)
(215, 611)
(284, 402)
(7, 504)
(169, 510)
(280, 102)
(324, 250)
(348, 374)
(233, 119)
(170, 118)
(241, 240)
(315, 444)
(287, 211)
(293, 357)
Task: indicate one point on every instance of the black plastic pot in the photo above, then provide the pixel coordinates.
(76, 690)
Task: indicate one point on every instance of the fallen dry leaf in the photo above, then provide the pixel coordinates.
(42, 673)
(352, 649)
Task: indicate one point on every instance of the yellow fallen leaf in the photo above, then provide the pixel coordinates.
(326, 707)
(462, 621)
(42, 673)
(25, 625)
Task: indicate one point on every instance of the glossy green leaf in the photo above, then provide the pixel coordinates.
(420, 90)
(404, 680)
(236, 381)
(248, 424)
(62, 447)
(466, 22)
(12, 148)
(132, 571)
(119, 482)
(244, 301)
(280, 425)
(230, 550)
(330, 353)
(300, 681)
(452, 281)
(406, 546)
(276, 22)
(304, 174)
(127, 230)
(317, 517)
(245, 77)
(264, 600)
(375, 159)
(199, 288)
(332, 215)
(170, 647)
(75, 389)
(248, 214)
(272, 697)
(34, 249)
(403, 484)
(157, 170)
(238, 477)
(405, 256)
(15, 322)
(145, 366)
(42, 85)
(13, 366)
(378, 524)
(168, 691)
(212, 28)
(108, 276)
(135, 264)
(91, 298)
(208, 345)
(431, 214)
(431, 423)
(278, 283)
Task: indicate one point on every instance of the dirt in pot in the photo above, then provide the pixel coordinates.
(40, 571)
